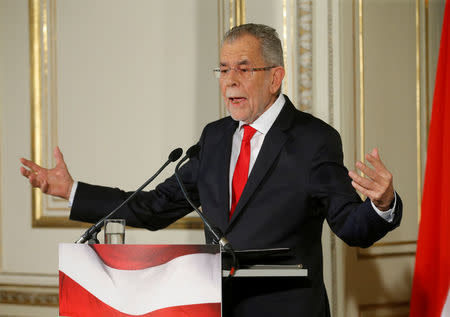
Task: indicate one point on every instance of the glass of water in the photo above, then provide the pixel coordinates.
(114, 231)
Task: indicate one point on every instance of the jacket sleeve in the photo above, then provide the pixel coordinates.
(354, 221)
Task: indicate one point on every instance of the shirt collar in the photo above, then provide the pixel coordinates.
(267, 118)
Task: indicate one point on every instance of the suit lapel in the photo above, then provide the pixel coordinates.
(223, 173)
(272, 145)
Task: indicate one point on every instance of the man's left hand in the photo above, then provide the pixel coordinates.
(378, 184)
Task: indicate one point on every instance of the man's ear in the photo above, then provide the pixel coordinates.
(277, 79)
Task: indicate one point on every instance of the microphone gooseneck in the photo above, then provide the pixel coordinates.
(191, 152)
(218, 236)
(91, 233)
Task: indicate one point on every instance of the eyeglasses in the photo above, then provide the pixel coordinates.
(242, 71)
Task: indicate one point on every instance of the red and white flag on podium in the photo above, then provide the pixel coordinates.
(431, 286)
(139, 280)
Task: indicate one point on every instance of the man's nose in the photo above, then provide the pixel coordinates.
(233, 78)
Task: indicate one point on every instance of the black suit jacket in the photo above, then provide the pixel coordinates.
(297, 182)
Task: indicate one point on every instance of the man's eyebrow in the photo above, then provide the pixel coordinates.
(243, 62)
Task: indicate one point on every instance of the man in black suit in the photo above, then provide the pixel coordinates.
(268, 176)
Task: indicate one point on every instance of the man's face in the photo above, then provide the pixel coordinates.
(247, 97)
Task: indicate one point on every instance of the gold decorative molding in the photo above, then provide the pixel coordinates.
(26, 274)
(64, 222)
(355, 89)
(231, 17)
(1, 184)
(418, 113)
(304, 68)
(427, 75)
(388, 249)
(361, 84)
(240, 12)
(394, 309)
(362, 256)
(231, 13)
(284, 41)
(290, 38)
(291, 11)
(237, 12)
(359, 49)
(391, 243)
(221, 29)
(29, 298)
(36, 109)
(331, 98)
(43, 101)
(331, 120)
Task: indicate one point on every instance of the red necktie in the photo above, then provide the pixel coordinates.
(240, 174)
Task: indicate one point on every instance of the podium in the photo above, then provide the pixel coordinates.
(149, 280)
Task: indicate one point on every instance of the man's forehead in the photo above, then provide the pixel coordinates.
(241, 51)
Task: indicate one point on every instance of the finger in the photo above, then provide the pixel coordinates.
(58, 156)
(30, 164)
(375, 161)
(26, 172)
(383, 175)
(375, 152)
(361, 181)
(361, 189)
(366, 170)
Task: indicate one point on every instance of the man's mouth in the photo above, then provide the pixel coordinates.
(236, 100)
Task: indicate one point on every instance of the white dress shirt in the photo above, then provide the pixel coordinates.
(262, 125)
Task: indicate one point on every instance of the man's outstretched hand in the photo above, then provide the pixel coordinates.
(378, 183)
(55, 181)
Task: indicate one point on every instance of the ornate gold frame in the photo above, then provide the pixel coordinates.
(39, 30)
(418, 91)
(362, 254)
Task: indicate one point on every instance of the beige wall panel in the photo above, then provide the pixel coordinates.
(134, 81)
(435, 20)
(347, 83)
(381, 280)
(283, 15)
(269, 12)
(378, 279)
(133, 86)
(390, 98)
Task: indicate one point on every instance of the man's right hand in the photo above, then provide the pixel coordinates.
(56, 181)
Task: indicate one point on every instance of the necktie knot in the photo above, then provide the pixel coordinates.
(248, 133)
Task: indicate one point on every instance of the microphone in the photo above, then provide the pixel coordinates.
(219, 237)
(90, 235)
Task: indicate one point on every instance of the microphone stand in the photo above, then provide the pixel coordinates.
(90, 235)
(218, 236)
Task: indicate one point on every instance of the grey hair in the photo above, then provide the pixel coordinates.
(271, 49)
